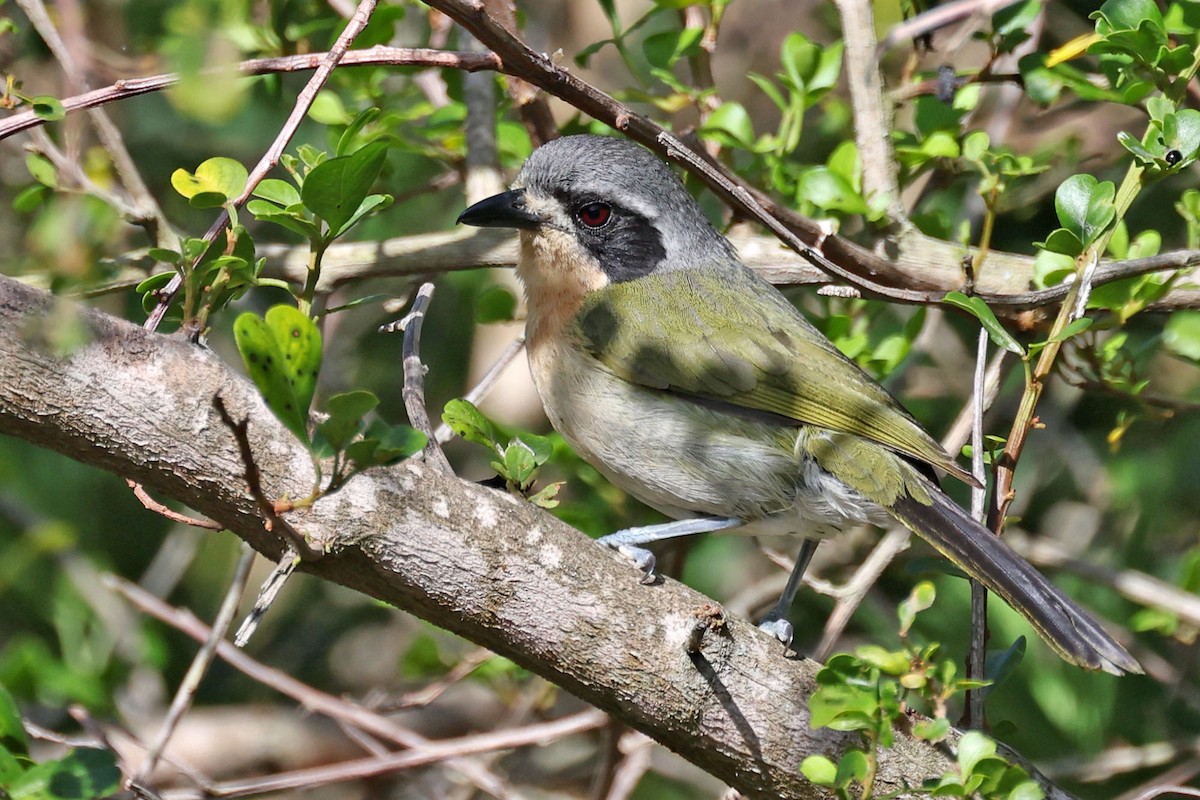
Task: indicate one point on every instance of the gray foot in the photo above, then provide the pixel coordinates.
(780, 628)
(642, 558)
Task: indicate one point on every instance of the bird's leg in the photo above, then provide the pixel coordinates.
(626, 541)
(775, 622)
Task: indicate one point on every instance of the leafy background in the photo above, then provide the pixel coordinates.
(1110, 478)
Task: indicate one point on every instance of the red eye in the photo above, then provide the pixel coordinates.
(594, 215)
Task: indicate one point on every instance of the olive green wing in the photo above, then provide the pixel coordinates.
(727, 336)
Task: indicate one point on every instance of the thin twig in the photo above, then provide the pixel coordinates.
(199, 666)
(872, 117)
(414, 378)
(158, 508)
(977, 650)
(379, 55)
(939, 17)
(272, 522)
(270, 589)
(637, 748)
(270, 158)
(430, 753)
(146, 209)
(309, 697)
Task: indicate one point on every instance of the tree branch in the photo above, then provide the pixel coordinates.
(475, 561)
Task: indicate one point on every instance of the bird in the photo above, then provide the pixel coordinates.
(697, 387)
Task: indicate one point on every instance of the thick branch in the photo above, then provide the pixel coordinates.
(472, 560)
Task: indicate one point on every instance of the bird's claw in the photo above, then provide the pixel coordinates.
(780, 628)
(642, 558)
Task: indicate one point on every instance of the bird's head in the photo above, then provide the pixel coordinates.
(594, 210)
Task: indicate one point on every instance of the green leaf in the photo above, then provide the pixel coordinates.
(932, 730)
(360, 121)
(469, 423)
(853, 766)
(919, 599)
(1182, 334)
(519, 463)
(221, 176)
(30, 198)
(82, 774)
(394, 442)
(891, 662)
(282, 353)
(664, 49)
(972, 748)
(730, 121)
(1085, 206)
(1073, 329)
(346, 412)
(336, 188)
(42, 169)
(281, 193)
(327, 108)
(372, 202)
(819, 770)
(12, 732)
(979, 309)
(48, 108)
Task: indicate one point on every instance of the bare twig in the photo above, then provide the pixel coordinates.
(265, 164)
(636, 748)
(430, 753)
(272, 522)
(158, 508)
(145, 209)
(312, 699)
(414, 379)
(378, 55)
(267, 593)
(872, 117)
(200, 664)
(977, 651)
(939, 17)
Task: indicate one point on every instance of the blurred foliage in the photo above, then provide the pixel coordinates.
(1099, 159)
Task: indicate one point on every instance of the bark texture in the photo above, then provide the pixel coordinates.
(472, 560)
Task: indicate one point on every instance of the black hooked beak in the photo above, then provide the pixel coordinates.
(505, 210)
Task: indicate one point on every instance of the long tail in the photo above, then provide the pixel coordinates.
(1065, 626)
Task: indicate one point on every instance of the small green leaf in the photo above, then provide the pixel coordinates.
(12, 732)
(300, 343)
(918, 600)
(30, 198)
(82, 774)
(1073, 329)
(222, 176)
(519, 463)
(891, 662)
(853, 766)
(932, 730)
(972, 748)
(281, 193)
(664, 49)
(336, 188)
(327, 108)
(730, 121)
(346, 412)
(469, 423)
(1085, 206)
(819, 770)
(979, 309)
(48, 108)
(401, 441)
(42, 169)
(282, 353)
(1182, 334)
